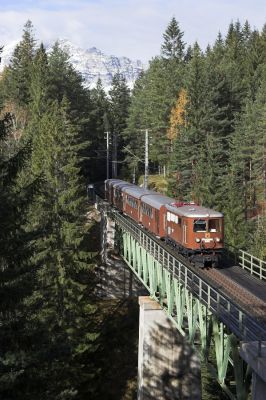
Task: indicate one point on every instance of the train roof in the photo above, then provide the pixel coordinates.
(194, 211)
(156, 200)
(137, 191)
(112, 181)
(121, 184)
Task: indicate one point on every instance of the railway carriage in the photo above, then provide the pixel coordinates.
(109, 189)
(118, 194)
(152, 213)
(132, 200)
(196, 231)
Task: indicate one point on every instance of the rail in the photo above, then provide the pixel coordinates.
(242, 324)
(252, 264)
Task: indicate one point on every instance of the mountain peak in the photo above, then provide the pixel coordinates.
(95, 50)
(91, 63)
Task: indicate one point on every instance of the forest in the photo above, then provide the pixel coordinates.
(205, 111)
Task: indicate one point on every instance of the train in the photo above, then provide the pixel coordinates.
(194, 231)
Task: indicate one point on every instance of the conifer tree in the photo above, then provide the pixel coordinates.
(62, 310)
(119, 104)
(173, 46)
(64, 81)
(47, 333)
(16, 269)
(189, 142)
(99, 125)
(152, 100)
(19, 74)
(236, 227)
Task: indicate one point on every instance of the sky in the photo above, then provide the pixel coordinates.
(131, 28)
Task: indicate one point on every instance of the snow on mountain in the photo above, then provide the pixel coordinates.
(7, 53)
(91, 63)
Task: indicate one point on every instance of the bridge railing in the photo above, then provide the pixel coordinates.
(252, 264)
(240, 322)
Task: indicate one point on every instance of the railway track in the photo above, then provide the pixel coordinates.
(223, 280)
(251, 303)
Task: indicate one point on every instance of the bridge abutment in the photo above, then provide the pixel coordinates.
(254, 353)
(168, 367)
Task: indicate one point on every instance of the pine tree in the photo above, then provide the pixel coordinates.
(173, 46)
(236, 227)
(135, 124)
(99, 125)
(16, 269)
(20, 70)
(38, 94)
(258, 246)
(60, 307)
(47, 333)
(119, 104)
(234, 66)
(188, 144)
(64, 81)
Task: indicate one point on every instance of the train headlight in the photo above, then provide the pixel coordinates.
(197, 240)
(217, 240)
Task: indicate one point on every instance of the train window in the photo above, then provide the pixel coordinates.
(173, 218)
(147, 210)
(132, 202)
(214, 225)
(200, 225)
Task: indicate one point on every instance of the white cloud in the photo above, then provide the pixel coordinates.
(133, 28)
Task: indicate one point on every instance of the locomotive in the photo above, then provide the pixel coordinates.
(194, 231)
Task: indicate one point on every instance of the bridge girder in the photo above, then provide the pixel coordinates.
(193, 319)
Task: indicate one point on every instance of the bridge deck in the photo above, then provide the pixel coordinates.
(247, 281)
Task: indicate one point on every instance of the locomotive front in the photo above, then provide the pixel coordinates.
(198, 232)
(208, 238)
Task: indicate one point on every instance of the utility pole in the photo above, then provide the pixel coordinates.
(114, 156)
(107, 155)
(134, 175)
(146, 173)
(107, 131)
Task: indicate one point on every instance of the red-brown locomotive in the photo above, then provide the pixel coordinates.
(195, 231)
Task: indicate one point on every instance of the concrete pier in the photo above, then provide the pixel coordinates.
(254, 353)
(168, 367)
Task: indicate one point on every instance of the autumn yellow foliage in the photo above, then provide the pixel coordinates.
(178, 115)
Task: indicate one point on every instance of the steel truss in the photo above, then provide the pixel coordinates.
(200, 312)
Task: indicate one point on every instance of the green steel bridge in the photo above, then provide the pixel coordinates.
(201, 310)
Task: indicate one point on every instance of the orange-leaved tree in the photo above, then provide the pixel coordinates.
(178, 115)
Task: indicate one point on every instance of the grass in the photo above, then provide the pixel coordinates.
(156, 182)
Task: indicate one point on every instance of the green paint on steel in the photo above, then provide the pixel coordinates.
(203, 327)
(186, 312)
(179, 294)
(133, 247)
(139, 265)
